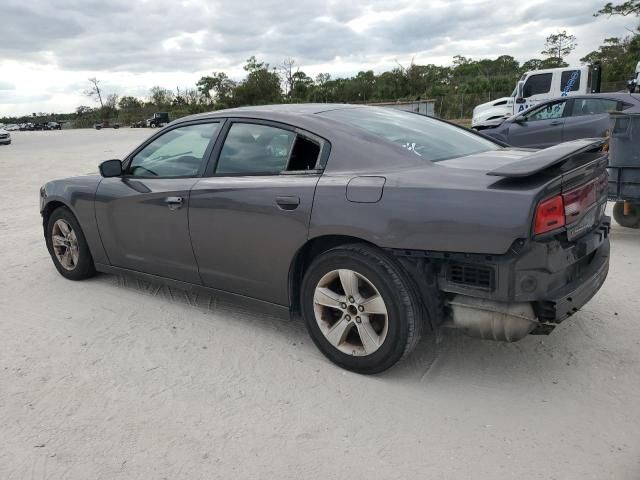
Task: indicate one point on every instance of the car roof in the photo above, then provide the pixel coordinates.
(281, 110)
(612, 95)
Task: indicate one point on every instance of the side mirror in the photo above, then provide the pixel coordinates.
(111, 168)
(520, 119)
(520, 93)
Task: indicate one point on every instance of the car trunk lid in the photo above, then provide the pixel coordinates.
(572, 177)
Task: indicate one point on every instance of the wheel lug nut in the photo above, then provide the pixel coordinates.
(358, 320)
(351, 299)
(361, 308)
(347, 318)
(343, 305)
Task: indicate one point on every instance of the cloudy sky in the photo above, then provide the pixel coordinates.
(48, 48)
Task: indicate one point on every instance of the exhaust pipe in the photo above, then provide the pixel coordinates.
(489, 320)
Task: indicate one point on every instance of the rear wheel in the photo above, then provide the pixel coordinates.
(360, 309)
(632, 217)
(67, 246)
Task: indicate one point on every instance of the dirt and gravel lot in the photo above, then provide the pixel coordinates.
(115, 378)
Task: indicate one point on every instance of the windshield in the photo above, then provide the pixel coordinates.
(429, 138)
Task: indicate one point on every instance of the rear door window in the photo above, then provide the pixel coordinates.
(592, 106)
(255, 149)
(537, 84)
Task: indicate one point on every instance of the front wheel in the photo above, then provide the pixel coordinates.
(360, 308)
(67, 246)
(629, 220)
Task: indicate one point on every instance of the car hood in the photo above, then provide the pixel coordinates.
(3, 131)
(489, 105)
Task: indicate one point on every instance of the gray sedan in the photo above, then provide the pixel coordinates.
(563, 119)
(373, 225)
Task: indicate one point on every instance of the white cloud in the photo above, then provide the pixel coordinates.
(133, 45)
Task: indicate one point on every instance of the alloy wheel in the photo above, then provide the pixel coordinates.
(65, 244)
(350, 312)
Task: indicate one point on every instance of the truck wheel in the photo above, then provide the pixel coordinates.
(632, 220)
(360, 308)
(67, 246)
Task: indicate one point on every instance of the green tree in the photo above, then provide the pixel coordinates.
(160, 97)
(217, 87)
(630, 7)
(557, 47)
(260, 87)
(302, 86)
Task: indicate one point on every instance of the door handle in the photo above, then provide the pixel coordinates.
(287, 203)
(173, 202)
(556, 122)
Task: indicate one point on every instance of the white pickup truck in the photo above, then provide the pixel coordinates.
(634, 84)
(537, 86)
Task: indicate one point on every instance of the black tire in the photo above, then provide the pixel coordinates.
(389, 278)
(116, 127)
(98, 128)
(629, 221)
(85, 267)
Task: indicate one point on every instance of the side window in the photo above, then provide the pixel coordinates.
(177, 153)
(253, 149)
(548, 111)
(537, 84)
(592, 106)
(570, 81)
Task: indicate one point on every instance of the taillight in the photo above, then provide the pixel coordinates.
(578, 200)
(569, 207)
(549, 215)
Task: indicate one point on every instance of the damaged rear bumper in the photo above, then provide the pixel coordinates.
(566, 301)
(531, 289)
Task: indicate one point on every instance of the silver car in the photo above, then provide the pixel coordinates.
(5, 137)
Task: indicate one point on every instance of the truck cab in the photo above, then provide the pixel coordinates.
(536, 86)
(633, 85)
(158, 119)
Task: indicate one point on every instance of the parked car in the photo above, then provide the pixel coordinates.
(563, 119)
(53, 126)
(415, 224)
(12, 128)
(106, 124)
(5, 137)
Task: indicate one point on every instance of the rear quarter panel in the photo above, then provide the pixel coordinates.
(428, 208)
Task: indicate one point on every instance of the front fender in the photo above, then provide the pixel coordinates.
(78, 195)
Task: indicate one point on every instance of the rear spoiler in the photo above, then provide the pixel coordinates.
(543, 159)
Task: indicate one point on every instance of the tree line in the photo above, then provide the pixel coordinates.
(456, 89)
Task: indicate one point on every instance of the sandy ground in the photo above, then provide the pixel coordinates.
(114, 378)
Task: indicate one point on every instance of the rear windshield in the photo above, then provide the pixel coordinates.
(429, 138)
